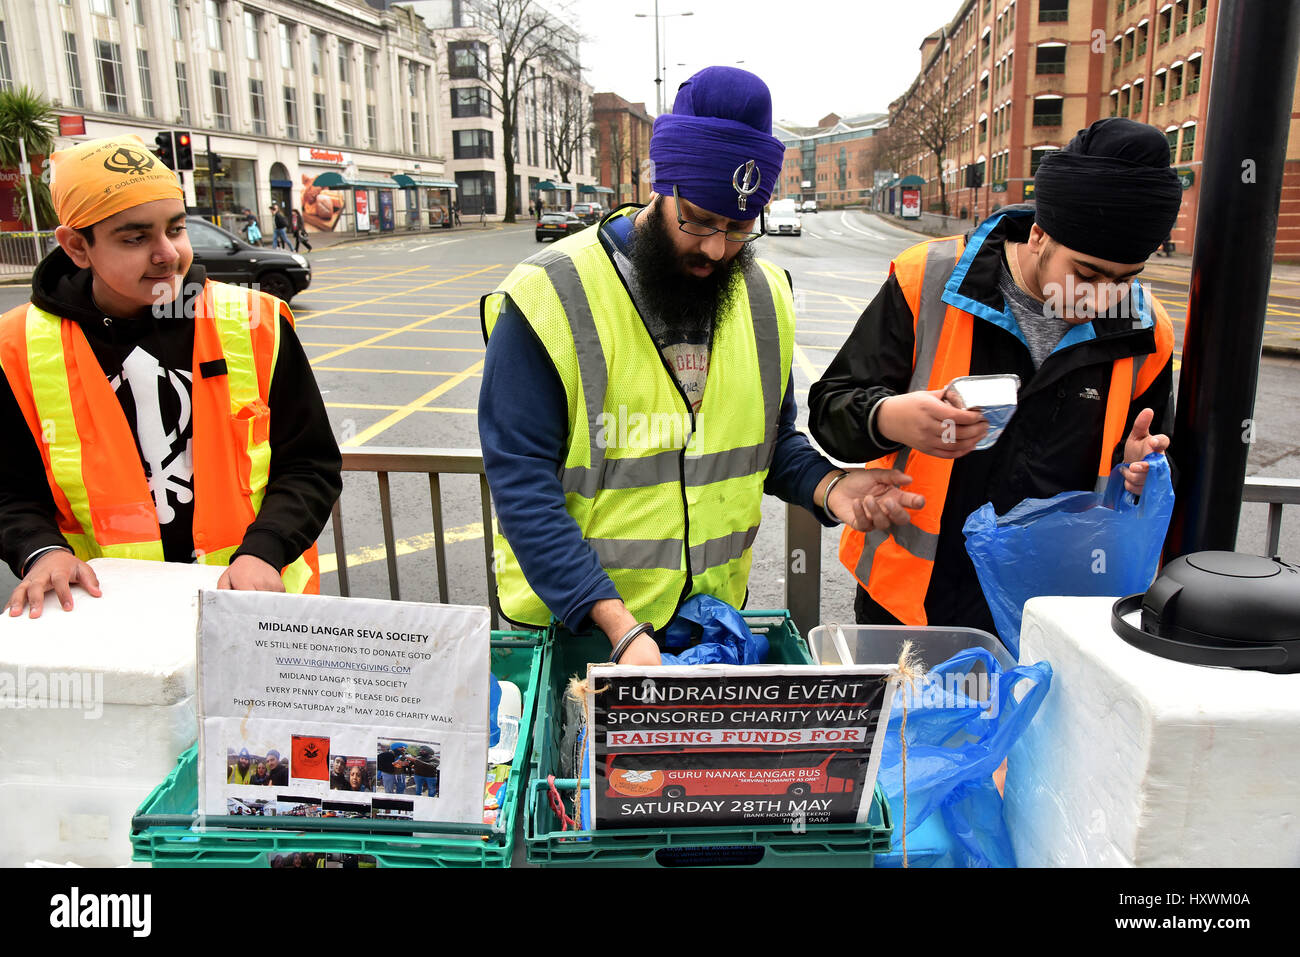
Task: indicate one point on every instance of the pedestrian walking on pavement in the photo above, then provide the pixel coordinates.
(281, 238)
(455, 212)
(298, 226)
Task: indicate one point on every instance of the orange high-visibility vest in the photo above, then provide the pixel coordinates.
(105, 507)
(895, 566)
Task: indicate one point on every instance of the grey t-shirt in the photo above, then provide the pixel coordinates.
(1042, 330)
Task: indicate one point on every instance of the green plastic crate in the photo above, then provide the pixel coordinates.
(164, 833)
(773, 845)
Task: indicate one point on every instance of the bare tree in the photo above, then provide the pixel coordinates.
(568, 118)
(619, 152)
(528, 42)
(925, 124)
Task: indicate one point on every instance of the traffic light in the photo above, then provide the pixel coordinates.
(974, 176)
(166, 149)
(184, 151)
(215, 166)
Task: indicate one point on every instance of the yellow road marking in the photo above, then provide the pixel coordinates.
(388, 371)
(400, 272)
(439, 282)
(804, 364)
(398, 331)
(393, 408)
(329, 345)
(364, 436)
(403, 546)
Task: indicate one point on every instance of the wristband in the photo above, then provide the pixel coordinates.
(635, 632)
(40, 552)
(826, 496)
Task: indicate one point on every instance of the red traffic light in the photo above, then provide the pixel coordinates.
(184, 151)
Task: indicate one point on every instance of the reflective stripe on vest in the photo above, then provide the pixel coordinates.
(626, 491)
(896, 566)
(105, 505)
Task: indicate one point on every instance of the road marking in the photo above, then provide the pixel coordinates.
(400, 272)
(394, 408)
(368, 554)
(804, 364)
(416, 249)
(388, 371)
(364, 436)
(844, 221)
(330, 345)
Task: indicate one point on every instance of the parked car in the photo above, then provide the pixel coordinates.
(809, 206)
(589, 213)
(558, 225)
(227, 258)
(782, 221)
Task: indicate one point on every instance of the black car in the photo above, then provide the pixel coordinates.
(589, 213)
(558, 225)
(228, 258)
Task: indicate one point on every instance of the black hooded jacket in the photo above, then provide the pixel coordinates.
(305, 466)
(1052, 443)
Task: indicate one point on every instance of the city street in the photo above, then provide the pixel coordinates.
(392, 330)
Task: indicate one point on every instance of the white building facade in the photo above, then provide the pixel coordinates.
(276, 92)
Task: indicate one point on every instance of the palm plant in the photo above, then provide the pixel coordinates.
(28, 117)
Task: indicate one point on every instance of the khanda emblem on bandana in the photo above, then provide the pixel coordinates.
(126, 160)
(745, 181)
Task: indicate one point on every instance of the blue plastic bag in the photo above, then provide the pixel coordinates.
(1075, 543)
(725, 639)
(954, 744)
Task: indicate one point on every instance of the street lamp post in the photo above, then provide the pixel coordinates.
(659, 89)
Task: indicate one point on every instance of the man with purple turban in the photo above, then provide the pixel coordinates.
(1047, 292)
(636, 401)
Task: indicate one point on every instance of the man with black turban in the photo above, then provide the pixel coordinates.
(636, 400)
(1048, 292)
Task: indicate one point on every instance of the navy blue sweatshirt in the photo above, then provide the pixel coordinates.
(523, 425)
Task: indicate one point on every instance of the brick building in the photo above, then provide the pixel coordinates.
(1019, 78)
(832, 162)
(623, 131)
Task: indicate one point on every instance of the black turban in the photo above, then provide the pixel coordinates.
(1110, 192)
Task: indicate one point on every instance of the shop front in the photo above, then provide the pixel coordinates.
(225, 186)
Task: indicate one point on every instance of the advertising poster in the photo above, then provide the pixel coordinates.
(321, 207)
(363, 210)
(911, 203)
(316, 706)
(736, 745)
(387, 221)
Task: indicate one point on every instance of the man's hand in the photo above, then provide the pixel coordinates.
(925, 422)
(1139, 445)
(612, 617)
(57, 569)
(867, 499)
(248, 573)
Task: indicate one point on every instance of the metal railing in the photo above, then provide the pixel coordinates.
(803, 532)
(18, 253)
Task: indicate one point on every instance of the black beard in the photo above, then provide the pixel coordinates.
(687, 307)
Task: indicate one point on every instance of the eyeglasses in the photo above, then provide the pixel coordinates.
(700, 229)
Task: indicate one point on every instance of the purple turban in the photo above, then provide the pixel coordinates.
(717, 145)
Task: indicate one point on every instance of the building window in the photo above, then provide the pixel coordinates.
(372, 71)
(372, 126)
(257, 106)
(183, 93)
(345, 59)
(469, 60)
(214, 25)
(146, 80)
(1051, 59)
(472, 144)
(220, 99)
(1189, 144)
(1048, 112)
(286, 45)
(415, 132)
(318, 99)
(137, 11)
(103, 8)
(347, 123)
(6, 77)
(317, 53)
(1172, 137)
(290, 113)
(253, 35)
(1036, 158)
(176, 20)
(1053, 11)
(74, 68)
(477, 191)
(109, 58)
(471, 101)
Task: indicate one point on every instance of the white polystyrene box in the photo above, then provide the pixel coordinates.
(1137, 760)
(95, 705)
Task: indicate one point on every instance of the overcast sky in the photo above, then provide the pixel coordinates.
(817, 56)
